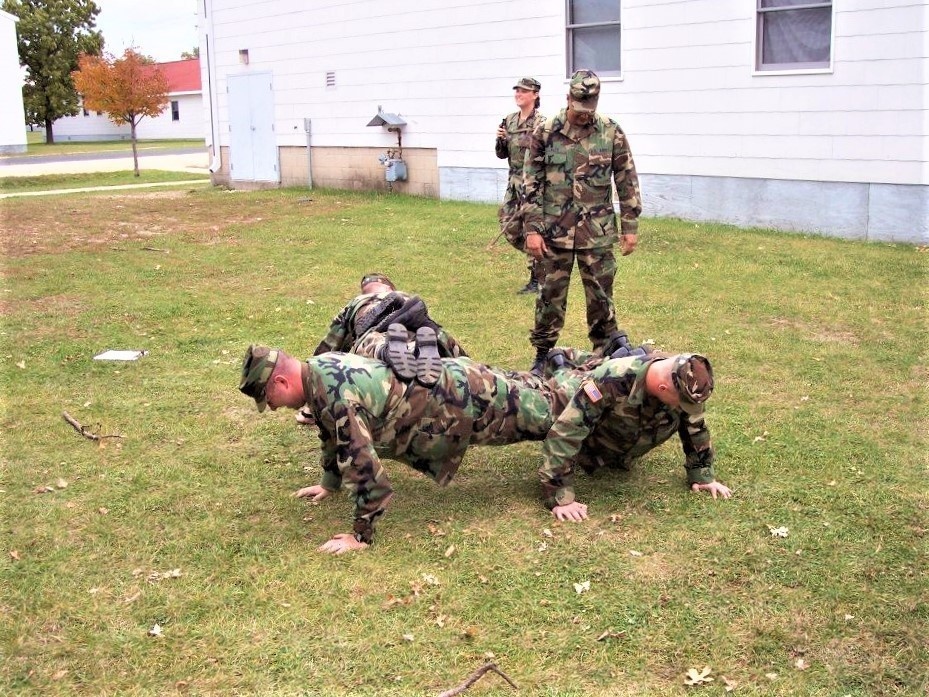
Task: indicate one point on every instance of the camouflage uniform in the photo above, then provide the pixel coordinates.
(364, 412)
(513, 149)
(362, 315)
(567, 174)
(607, 419)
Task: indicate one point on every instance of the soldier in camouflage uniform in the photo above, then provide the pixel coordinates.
(568, 212)
(612, 411)
(380, 305)
(512, 142)
(364, 412)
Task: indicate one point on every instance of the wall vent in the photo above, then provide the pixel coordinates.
(330, 78)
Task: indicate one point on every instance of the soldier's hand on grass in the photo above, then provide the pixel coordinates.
(575, 511)
(715, 488)
(535, 245)
(316, 492)
(341, 543)
(627, 243)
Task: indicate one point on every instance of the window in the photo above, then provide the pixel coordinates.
(593, 36)
(85, 112)
(175, 111)
(793, 34)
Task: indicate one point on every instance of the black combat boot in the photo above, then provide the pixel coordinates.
(617, 341)
(538, 367)
(428, 362)
(556, 360)
(397, 353)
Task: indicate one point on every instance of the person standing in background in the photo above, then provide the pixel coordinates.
(512, 142)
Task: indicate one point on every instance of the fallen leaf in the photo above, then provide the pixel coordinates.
(581, 587)
(849, 617)
(21, 365)
(430, 579)
(61, 483)
(469, 633)
(132, 598)
(408, 637)
(44, 490)
(547, 533)
(730, 685)
(698, 678)
(760, 438)
(58, 675)
(609, 634)
(634, 553)
(155, 631)
(103, 511)
(800, 664)
(435, 531)
(14, 554)
(771, 676)
(450, 551)
(440, 620)
(778, 532)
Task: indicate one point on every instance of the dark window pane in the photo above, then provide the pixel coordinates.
(797, 36)
(594, 11)
(597, 49)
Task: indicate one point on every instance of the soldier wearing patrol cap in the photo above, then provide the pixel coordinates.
(618, 409)
(512, 140)
(364, 411)
(568, 216)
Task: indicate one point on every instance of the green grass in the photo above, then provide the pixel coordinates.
(819, 419)
(36, 145)
(48, 182)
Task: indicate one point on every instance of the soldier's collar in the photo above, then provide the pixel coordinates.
(637, 393)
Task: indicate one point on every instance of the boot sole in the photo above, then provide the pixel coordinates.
(428, 363)
(398, 354)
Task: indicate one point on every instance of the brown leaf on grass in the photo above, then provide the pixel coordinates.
(61, 483)
(156, 630)
(730, 685)
(610, 634)
(435, 530)
(59, 674)
(132, 598)
(393, 601)
(695, 677)
(801, 664)
(46, 489)
(14, 554)
(450, 551)
(103, 511)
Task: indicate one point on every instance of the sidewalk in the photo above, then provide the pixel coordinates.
(195, 163)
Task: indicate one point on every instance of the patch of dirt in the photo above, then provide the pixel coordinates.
(818, 333)
(53, 224)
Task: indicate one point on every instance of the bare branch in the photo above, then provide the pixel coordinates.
(475, 676)
(83, 431)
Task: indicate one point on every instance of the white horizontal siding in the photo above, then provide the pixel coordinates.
(688, 98)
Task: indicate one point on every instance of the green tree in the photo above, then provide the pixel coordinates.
(190, 55)
(51, 35)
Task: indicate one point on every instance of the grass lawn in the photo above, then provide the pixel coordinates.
(185, 520)
(48, 182)
(35, 145)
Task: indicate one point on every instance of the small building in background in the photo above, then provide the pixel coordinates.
(12, 115)
(182, 118)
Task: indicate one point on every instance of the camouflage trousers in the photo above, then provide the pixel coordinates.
(511, 226)
(372, 342)
(597, 268)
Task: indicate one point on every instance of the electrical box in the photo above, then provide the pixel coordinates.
(395, 170)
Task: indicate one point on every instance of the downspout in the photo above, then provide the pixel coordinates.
(307, 126)
(217, 161)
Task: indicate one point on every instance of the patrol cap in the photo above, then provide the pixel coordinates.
(528, 83)
(584, 91)
(692, 375)
(257, 366)
(375, 277)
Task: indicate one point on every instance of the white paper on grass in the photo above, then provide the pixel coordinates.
(120, 355)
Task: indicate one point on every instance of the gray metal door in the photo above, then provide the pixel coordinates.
(252, 148)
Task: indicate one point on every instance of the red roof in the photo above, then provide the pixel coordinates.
(183, 76)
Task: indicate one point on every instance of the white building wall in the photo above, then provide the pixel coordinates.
(189, 125)
(92, 126)
(689, 97)
(12, 115)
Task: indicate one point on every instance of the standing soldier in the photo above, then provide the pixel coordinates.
(568, 213)
(512, 142)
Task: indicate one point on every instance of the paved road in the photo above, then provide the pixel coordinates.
(192, 160)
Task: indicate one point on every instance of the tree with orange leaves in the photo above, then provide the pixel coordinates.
(126, 89)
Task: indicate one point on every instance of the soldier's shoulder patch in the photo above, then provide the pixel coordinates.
(592, 392)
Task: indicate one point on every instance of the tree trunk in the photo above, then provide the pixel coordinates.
(135, 152)
(49, 134)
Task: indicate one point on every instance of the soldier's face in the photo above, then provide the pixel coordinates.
(579, 118)
(523, 97)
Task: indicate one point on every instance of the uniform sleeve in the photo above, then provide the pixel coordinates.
(627, 184)
(338, 330)
(502, 147)
(698, 449)
(564, 440)
(534, 182)
(349, 458)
